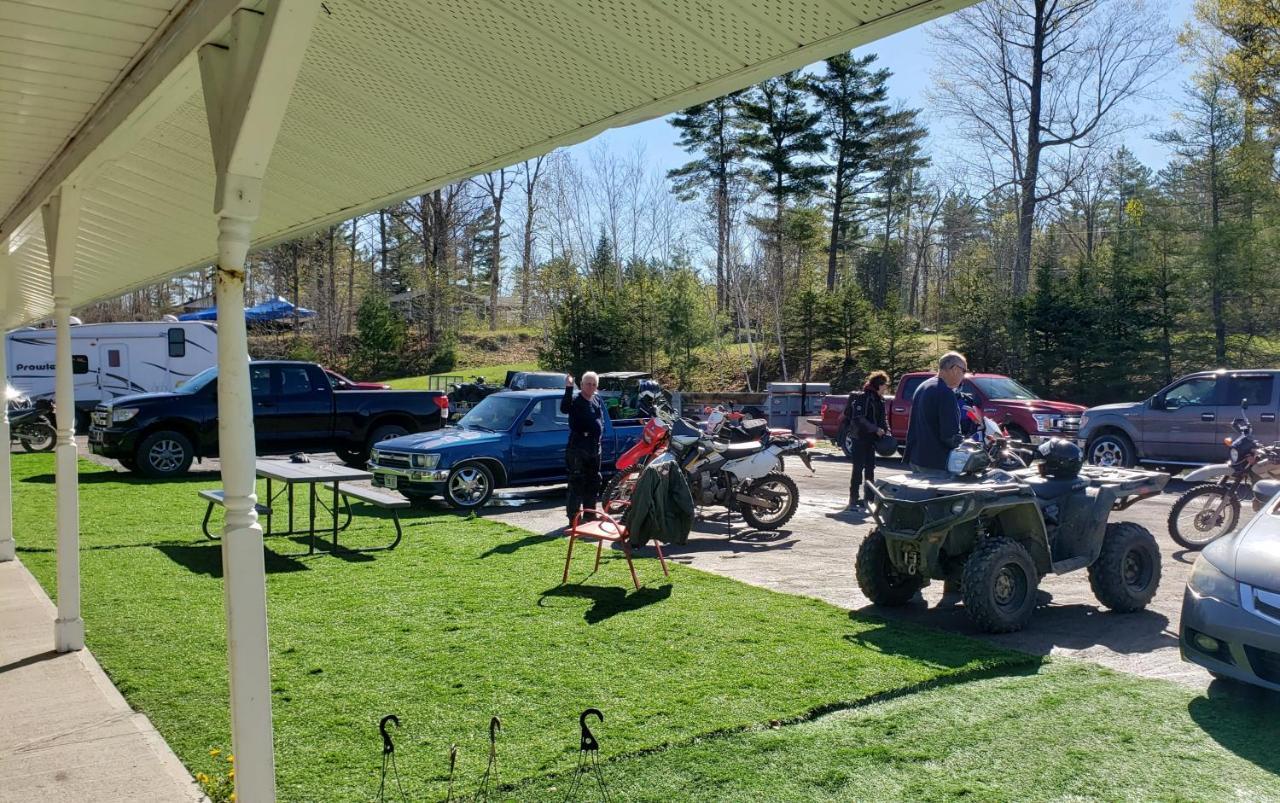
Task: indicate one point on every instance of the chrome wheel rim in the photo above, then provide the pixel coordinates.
(166, 455)
(468, 486)
(1107, 453)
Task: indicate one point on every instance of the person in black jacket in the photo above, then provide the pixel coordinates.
(934, 428)
(582, 457)
(867, 424)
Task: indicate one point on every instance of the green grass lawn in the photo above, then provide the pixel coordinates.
(711, 689)
(465, 620)
(491, 373)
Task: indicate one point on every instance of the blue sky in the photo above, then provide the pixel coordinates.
(907, 55)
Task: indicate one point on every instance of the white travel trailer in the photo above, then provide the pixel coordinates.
(113, 359)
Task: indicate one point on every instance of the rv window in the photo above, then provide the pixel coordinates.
(113, 358)
(79, 363)
(177, 342)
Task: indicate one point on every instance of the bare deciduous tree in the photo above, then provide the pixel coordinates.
(1036, 82)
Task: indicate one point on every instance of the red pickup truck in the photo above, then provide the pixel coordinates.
(1026, 416)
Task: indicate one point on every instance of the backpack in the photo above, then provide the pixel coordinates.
(856, 410)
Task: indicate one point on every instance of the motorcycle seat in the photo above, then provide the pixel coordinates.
(735, 450)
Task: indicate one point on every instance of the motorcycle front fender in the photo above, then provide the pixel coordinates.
(1207, 473)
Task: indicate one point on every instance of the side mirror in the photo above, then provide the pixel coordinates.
(1157, 403)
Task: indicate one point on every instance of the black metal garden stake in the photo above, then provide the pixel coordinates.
(490, 772)
(588, 758)
(389, 758)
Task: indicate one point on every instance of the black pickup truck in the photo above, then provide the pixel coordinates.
(295, 409)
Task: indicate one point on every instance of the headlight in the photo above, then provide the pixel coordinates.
(1046, 423)
(375, 455)
(1208, 580)
(121, 414)
(425, 460)
(1235, 455)
(1084, 421)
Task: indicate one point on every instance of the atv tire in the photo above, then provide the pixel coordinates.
(1127, 572)
(999, 585)
(878, 579)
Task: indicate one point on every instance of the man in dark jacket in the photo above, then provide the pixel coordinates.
(934, 429)
(866, 423)
(582, 457)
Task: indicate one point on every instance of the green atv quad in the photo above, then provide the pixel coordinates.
(994, 534)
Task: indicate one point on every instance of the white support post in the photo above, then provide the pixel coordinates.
(7, 545)
(61, 225)
(246, 86)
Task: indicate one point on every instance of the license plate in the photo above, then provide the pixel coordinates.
(390, 481)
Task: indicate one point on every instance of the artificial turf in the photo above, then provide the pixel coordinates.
(465, 620)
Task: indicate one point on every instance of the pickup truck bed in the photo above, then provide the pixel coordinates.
(296, 409)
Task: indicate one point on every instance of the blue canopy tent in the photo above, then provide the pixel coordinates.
(276, 309)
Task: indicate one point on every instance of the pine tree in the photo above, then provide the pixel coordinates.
(850, 96)
(711, 131)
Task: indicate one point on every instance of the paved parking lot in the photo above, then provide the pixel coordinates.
(813, 555)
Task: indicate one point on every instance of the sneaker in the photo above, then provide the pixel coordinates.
(855, 504)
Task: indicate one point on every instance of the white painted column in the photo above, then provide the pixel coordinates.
(61, 224)
(246, 86)
(6, 476)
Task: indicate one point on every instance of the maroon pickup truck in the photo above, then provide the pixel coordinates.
(1026, 416)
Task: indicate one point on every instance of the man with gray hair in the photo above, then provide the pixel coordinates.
(582, 457)
(934, 428)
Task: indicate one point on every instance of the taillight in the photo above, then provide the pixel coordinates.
(442, 402)
(822, 411)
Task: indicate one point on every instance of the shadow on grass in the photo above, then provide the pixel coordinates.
(206, 559)
(95, 547)
(123, 478)
(608, 601)
(920, 644)
(512, 547)
(1242, 719)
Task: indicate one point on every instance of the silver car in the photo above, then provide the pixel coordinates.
(1231, 607)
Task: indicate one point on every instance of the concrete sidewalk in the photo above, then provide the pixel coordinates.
(67, 734)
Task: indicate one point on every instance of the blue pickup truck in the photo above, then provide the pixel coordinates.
(510, 439)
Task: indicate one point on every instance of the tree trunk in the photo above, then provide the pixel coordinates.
(495, 274)
(1031, 175)
(837, 206)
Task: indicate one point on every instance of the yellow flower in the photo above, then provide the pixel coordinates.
(232, 798)
(231, 759)
(202, 778)
(215, 752)
(231, 775)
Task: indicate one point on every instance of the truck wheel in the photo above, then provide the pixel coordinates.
(164, 454)
(353, 457)
(1112, 450)
(846, 440)
(469, 486)
(1127, 572)
(999, 585)
(384, 433)
(782, 509)
(1202, 515)
(879, 580)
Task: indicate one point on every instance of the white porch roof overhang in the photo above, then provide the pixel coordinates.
(394, 98)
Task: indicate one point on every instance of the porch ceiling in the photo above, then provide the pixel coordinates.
(395, 97)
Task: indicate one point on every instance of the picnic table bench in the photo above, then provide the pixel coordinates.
(339, 479)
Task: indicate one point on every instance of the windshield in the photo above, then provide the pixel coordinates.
(198, 382)
(495, 413)
(1002, 388)
(543, 381)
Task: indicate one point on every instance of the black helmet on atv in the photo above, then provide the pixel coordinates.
(1060, 458)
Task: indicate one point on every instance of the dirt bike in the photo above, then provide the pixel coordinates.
(739, 476)
(1209, 511)
(31, 422)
